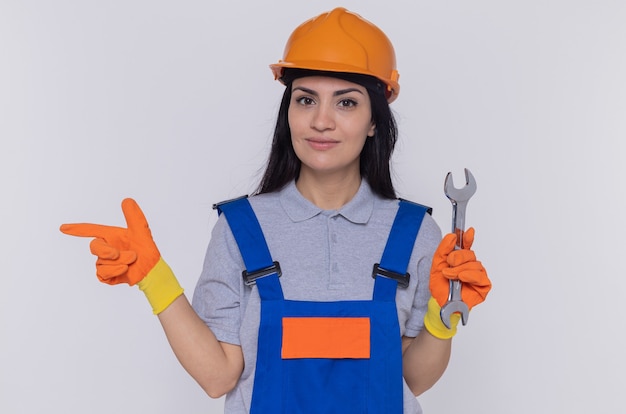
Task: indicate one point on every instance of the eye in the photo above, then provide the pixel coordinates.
(305, 100)
(347, 103)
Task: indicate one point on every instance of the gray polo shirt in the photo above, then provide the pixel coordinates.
(324, 256)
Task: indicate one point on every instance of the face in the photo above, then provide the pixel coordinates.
(330, 120)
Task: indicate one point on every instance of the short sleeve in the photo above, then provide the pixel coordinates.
(427, 241)
(217, 296)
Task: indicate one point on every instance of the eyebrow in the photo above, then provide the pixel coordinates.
(336, 93)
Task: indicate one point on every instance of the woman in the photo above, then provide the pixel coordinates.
(314, 294)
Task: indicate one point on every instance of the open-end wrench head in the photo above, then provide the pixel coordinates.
(454, 304)
(453, 307)
(460, 194)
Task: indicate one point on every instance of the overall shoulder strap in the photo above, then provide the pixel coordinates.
(260, 268)
(392, 270)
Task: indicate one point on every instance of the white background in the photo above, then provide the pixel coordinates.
(172, 103)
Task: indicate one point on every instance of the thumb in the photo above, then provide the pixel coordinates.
(468, 238)
(135, 219)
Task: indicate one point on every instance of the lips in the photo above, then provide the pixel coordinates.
(322, 144)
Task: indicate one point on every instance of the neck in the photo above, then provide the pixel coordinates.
(328, 192)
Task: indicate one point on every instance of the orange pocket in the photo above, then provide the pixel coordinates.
(319, 337)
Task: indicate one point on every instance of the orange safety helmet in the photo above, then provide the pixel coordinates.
(341, 41)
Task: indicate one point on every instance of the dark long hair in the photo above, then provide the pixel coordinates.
(283, 166)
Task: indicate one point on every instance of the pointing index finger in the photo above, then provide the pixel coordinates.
(89, 230)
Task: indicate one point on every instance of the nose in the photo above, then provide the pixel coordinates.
(323, 118)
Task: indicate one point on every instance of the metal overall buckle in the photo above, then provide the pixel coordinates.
(217, 206)
(402, 279)
(250, 278)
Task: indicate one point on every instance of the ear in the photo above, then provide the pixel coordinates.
(372, 131)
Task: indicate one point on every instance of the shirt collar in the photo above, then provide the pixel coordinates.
(358, 210)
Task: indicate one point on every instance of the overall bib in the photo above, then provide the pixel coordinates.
(327, 357)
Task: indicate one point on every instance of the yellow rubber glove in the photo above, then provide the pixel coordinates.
(129, 255)
(433, 323)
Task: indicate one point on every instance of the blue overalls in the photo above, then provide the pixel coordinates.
(326, 357)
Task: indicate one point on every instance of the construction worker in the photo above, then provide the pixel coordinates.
(321, 292)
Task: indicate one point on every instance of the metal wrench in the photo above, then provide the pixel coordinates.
(459, 198)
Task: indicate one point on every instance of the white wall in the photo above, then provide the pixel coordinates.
(172, 103)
